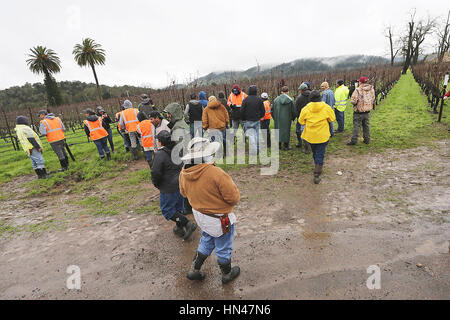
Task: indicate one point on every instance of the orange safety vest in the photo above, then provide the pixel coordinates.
(118, 118)
(145, 130)
(268, 114)
(130, 118)
(237, 100)
(54, 129)
(96, 130)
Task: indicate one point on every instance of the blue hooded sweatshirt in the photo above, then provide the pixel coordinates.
(202, 99)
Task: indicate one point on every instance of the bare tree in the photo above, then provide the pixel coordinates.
(443, 39)
(389, 33)
(423, 28)
(407, 42)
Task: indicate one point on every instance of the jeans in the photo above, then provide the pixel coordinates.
(265, 125)
(252, 131)
(318, 151)
(60, 149)
(148, 155)
(361, 119)
(110, 139)
(126, 140)
(340, 118)
(37, 160)
(236, 127)
(223, 245)
(171, 203)
(102, 145)
(196, 131)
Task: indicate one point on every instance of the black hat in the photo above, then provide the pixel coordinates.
(89, 111)
(340, 82)
(193, 96)
(315, 96)
(22, 120)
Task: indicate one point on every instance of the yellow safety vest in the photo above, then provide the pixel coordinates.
(341, 97)
(23, 132)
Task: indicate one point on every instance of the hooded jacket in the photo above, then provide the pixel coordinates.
(283, 113)
(164, 172)
(253, 106)
(316, 117)
(236, 100)
(215, 116)
(202, 98)
(302, 101)
(179, 129)
(363, 98)
(209, 189)
(193, 111)
(28, 138)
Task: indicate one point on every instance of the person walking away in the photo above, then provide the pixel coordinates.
(193, 113)
(235, 102)
(265, 121)
(106, 121)
(328, 98)
(362, 99)
(341, 97)
(203, 99)
(159, 124)
(165, 175)
(32, 146)
(145, 105)
(300, 103)
(96, 132)
(145, 128)
(316, 117)
(223, 101)
(283, 113)
(213, 196)
(252, 111)
(128, 122)
(53, 128)
(216, 118)
(180, 134)
(125, 136)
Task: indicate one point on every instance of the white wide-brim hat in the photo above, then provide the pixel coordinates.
(201, 147)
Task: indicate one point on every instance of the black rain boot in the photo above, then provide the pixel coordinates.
(63, 165)
(44, 174)
(66, 164)
(299, 138)
(194, 273)
(190, 228)
(150, 164)
(317, 173)
(134, 151)
(38, 173)
(286, 146)
(108, 156)
(229, 273)
(127, 149)
(179, 231)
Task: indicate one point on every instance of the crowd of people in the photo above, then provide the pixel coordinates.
(196, 186)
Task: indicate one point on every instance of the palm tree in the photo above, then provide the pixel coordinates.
(43, 60)
(90, 53)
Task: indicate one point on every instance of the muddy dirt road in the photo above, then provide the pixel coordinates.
(295, 240)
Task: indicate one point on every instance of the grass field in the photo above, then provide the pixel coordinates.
(402, 120)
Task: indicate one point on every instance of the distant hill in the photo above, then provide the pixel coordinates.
(34, 95)
(295, 67)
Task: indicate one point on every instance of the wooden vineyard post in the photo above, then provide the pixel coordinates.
(32, 120)
(9, 131)
(442, 99)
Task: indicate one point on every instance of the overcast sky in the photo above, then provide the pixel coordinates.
(147, 42)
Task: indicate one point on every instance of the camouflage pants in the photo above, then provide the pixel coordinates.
(361, 119)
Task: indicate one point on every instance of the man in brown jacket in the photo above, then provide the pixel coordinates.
(362, 99)
(213, 195)
(216, 118)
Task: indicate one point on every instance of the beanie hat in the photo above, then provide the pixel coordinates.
(315, 96)
(221, 95)
(308, 84)
(127, 104)
(42, 112)
(22, 120)
(89, 111)
(340, 82)
(212, 98)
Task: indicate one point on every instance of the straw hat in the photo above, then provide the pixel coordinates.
(200, 148)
